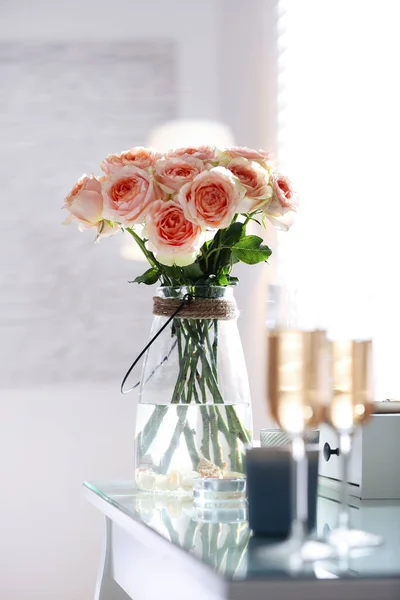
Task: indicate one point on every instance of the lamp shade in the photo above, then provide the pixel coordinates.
(174, 134)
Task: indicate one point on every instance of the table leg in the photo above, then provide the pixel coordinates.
(106, 587)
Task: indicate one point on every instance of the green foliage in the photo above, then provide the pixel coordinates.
(150, 277)
(214, 264)
(193, 272)
(233, 234)
(251, 250)
(226, 279)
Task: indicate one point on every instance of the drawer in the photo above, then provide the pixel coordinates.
(373, 468)
(332, 467)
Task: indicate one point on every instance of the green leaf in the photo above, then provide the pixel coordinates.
(251, 250)
(215, 242)
(225, 279)
(222, 279)
(173, 272)
(233, 234)
(224, 258)
(193, 271)
(149, 277)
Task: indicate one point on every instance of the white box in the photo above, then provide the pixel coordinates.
(374, 469)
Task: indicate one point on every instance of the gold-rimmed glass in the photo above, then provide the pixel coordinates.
(298, 391)
(350, 407)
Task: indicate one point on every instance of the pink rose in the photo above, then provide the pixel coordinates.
(172, 172)
(127, 194)
(255, 179)
(85, 202)
(284, 198)
(212, 198)
(174, 239)
(250, 154)
(138, 157)
(283, 204)
(202, 152)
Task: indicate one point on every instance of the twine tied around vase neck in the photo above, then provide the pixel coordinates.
(196, 308)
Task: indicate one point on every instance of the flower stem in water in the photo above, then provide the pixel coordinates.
(190, 535)
(217, 449)
(205, 541)
(180, 426)
(197, 383)
(191, 446)
(205, 444)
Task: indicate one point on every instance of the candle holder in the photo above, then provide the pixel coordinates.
(218, 515)
(213, 492)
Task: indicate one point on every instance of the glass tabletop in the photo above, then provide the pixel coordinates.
(221, 538)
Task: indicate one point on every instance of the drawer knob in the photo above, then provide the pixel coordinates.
(328, 451)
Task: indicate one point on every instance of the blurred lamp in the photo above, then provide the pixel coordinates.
(175, 134)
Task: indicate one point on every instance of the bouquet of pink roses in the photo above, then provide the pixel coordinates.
(184, 208)
(188, 211)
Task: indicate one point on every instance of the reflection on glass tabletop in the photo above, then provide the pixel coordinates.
(221, 538)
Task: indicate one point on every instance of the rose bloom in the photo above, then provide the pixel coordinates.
(85, 202)
(283, 204)
(174, 239)
(202, 152)
(212, 198)
(255, 179)
(249, 153)
(127, 194)
(172, 172)
(140, 157)
(284, 198)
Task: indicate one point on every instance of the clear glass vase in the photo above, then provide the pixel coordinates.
(194, 413)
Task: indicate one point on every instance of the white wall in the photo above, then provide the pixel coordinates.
(53, 437)
(248, 103)
(193, 26)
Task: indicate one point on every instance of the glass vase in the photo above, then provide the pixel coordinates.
(194, 414)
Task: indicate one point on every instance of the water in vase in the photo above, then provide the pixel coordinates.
(176, 443)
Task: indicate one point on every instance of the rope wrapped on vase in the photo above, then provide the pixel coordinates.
(197, 308)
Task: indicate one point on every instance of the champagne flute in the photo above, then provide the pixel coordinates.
(351, 405)
(298, 391)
